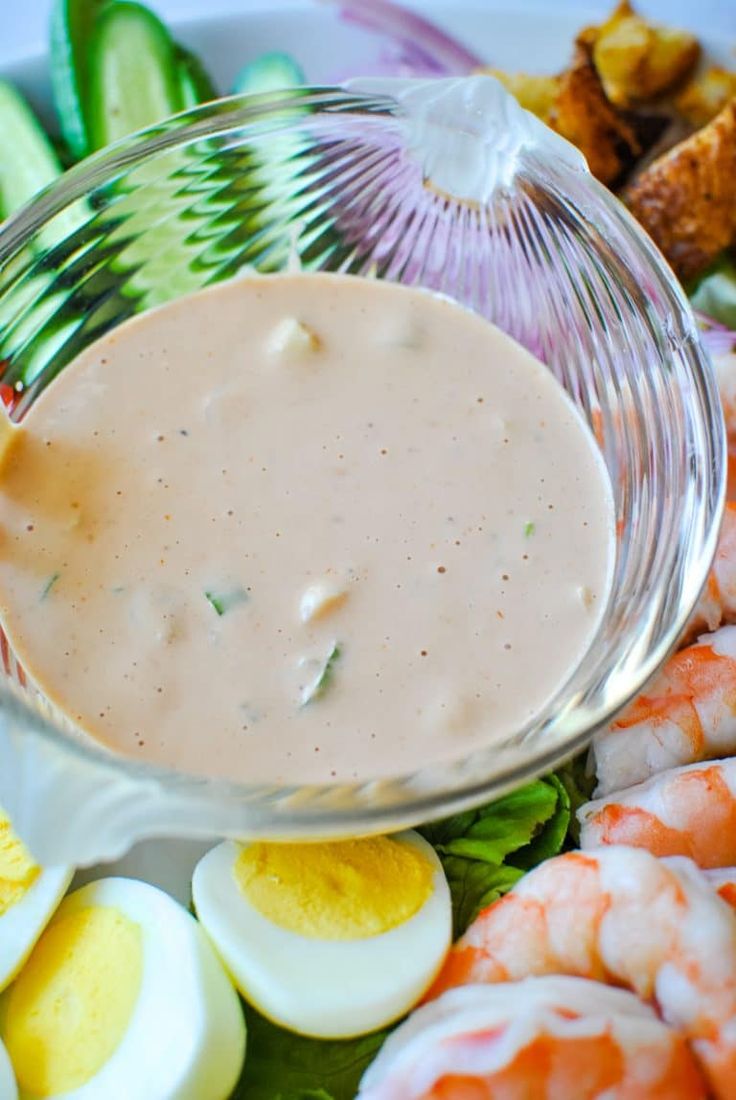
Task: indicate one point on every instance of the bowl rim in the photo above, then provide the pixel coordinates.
(315, 810)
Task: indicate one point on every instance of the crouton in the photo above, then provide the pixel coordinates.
(535, 93)
(685, 199)
(582, 114)
(705, 95)
(637, 60)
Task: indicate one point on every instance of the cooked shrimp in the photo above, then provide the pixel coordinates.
(688, 811)
(623, 916)
(686, 713)
(723, 881)
(722, 347)
(717, 603)
(547, 1038)
(725, 366)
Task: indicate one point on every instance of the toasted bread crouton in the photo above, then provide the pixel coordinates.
(705, 95)
(686, 199)
(637, 60)
(583, 115)
(534, 93)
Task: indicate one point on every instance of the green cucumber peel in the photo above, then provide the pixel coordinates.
(133, 73)
(27, 158)
(195, 82)
(72, 27)
(269, 73)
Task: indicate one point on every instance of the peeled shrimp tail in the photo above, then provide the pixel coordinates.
(686, 713)
(623, 916)
(542, 1037)
(689, 811)
(717, 603)
(725, 365)
(723, 881)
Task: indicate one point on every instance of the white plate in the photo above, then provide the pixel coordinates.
(531, 35)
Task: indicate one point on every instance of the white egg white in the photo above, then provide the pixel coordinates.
(22, 924)
(186, 1036)
(323, 988)
(8, 1089)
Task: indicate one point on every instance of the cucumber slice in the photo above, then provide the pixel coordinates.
(196, 84)
(72, 25)
(27, 158)
(268, 73)
(28, 163)
(133, 73)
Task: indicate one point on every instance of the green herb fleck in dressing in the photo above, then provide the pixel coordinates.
(323, 680)
(49, 585)
(226, 601)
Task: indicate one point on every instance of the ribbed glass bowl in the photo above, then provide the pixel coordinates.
(451, 187)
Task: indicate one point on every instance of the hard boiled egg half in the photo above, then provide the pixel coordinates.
(331, 940)
(8, 1090)
(123, 998)
(29, 894)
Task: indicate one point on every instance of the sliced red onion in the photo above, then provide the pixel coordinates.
(424, 49)
(718, 339)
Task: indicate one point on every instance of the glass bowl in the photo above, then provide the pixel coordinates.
(448, 185)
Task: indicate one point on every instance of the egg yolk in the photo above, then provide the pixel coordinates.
(344, 890)
(18, 872)
(73, 1001)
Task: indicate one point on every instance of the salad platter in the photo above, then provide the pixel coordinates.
(475, 952)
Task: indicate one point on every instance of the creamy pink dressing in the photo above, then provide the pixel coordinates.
(303, 528)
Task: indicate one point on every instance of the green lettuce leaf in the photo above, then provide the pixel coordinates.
(548, 840)
(486, 850)
(579, 782)
(494, 831)
(715, 292)
(473, 886)
(280, 1065)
